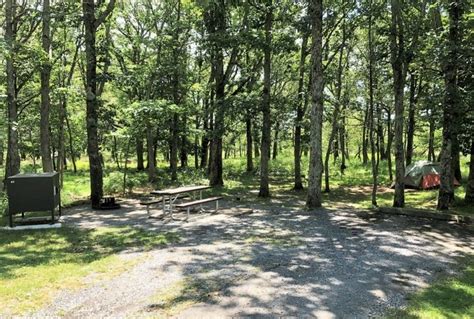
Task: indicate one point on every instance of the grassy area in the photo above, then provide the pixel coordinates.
(449, 298)
(35, 265)
(353, 188)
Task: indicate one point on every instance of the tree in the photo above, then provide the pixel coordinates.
(398, 56)
(216, 25)
(451, 102)
(45, 99)
(266, 110)
(13, 156)
(314, 198)
(91, 23)
(299, 108)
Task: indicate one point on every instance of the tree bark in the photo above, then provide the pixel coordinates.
(266, 127)
(45, 140)
(451, 102)
(314, 198)
(300, 113)
(335, 115)
(174, 146)
(275, 141)
(431, 152)
(373, 160)
(139, 150)
(249, 150)
(469, 198)
(216, 25)
(411, 119)
(150, 153)
(13, 155)
(91, 23)
(397, 51)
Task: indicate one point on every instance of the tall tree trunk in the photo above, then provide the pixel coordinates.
(397, 51)
(174, 146)
(92, 105)
(266, 127)
(215, 19)
(470, 180)
(13, 156)
(373, 160)
(300, 113)
(335, 115)
(176, 98)
(314, 198)
(388, 152)
(196, 145)
(365, 154)
(139, 150)
(205, 138)
(451, 102)
(275, 142)
(431, 152)
(45, 141)
(91, 23)
(71, 144)
(150, 153)
(183, 154)
(411, 119)
(248, 133)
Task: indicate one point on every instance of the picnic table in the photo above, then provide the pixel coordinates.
(170, 195)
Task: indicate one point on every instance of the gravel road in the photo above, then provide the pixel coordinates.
(275, 262)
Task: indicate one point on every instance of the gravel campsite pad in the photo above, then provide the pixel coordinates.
(274, 262)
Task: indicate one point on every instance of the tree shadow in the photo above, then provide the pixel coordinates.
(32, 248)
(297, 263)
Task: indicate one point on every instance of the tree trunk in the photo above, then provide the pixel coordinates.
(300, 113)
(266, 127)
(411, 119)
(374, 162)
(451, 102)
(13, 156)
(96, 180)
(216, 24)
(183, 154)
(196, 146)
(174, 147)
(314, 198)
(150, 153)
(45, 141)
(365, 156)
(397, 51)
(248, 133)
(275, 142)
(71, 144)
(139, 150)
(388, 152)
(431, 152)
(470, 180)
(205, 138)
(335, 115)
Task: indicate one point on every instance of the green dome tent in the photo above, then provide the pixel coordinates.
(423, 175)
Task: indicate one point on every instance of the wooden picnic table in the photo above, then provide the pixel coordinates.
(170, 195)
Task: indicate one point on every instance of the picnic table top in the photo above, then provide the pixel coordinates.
(179, 190)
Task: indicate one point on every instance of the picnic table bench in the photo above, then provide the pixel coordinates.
(171, 195)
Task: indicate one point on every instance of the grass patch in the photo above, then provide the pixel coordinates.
(35, 265)
(184, 294)
(448, 298)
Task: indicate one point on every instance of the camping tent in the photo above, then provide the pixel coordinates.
(424, 175)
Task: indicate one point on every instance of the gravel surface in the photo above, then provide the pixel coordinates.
(275, 262)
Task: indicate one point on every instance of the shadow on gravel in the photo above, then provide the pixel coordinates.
(311, 263)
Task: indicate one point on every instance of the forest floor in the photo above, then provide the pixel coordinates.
(278, 261)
